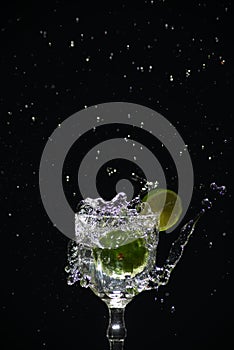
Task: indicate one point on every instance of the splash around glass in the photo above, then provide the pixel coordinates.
(114, 253)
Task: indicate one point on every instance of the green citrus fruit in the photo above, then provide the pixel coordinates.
(168, 204)
(129, 259)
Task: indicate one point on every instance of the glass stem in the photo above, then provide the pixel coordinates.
(116, 331)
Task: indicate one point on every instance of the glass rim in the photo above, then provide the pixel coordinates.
(142, 216)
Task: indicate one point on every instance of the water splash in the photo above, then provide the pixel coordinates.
(78, 267)
(96, 218)
(206, 204)
(118, 206)
(161, 275)
(146, 187)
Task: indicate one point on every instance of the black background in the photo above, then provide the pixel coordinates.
(43, 81)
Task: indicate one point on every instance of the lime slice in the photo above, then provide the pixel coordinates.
(129, 259)
(168, 204)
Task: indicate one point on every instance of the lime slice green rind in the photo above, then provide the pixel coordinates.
(168, 204)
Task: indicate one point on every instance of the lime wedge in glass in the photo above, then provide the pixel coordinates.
(168, 204)
(121, 256)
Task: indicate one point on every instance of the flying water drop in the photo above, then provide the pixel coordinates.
(220, 189)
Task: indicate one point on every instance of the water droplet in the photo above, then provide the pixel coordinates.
(220, 189)
(187, 73)
(172, 309)
(213, 292)
(213, 186)
(206, 203)
(67, 269)
(70, 280)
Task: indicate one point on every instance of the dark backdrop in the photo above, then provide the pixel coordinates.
(174, 57)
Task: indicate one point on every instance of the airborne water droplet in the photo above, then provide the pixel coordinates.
(220, 189)
(172, 309)
(206, 203)
(67, 269)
